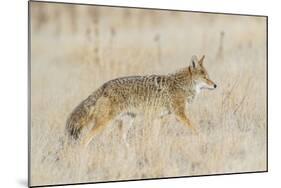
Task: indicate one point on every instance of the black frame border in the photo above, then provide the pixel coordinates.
(132, 7)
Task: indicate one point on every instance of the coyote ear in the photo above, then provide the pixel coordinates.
(201, 60)
(194, 60)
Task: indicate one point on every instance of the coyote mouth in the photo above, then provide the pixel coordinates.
(208, 88)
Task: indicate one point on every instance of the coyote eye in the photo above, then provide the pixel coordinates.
(202, 72)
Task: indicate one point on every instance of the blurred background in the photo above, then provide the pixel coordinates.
(76, 48)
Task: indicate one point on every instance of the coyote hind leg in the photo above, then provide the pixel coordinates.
(100, 124)
(103, 118)
(129, 120)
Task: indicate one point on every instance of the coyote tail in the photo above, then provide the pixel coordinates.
(82, 114)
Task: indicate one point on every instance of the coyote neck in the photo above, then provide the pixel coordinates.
(183, 81)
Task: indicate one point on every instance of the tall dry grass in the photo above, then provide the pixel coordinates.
(74, 49)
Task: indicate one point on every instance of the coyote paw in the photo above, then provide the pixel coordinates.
(194, 130)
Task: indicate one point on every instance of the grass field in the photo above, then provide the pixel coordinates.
(75, 49)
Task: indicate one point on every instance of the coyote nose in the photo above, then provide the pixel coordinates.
(215, 85)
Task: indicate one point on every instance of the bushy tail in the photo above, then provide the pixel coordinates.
(82, 114)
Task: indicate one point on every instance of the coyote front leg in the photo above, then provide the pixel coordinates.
(179, 109)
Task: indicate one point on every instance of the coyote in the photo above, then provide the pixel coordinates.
(161, 94)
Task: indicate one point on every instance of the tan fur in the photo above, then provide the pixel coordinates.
(154, 94)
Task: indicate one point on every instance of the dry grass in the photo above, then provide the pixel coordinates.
(74, 49)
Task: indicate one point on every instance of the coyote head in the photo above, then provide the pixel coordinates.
(199, 75)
